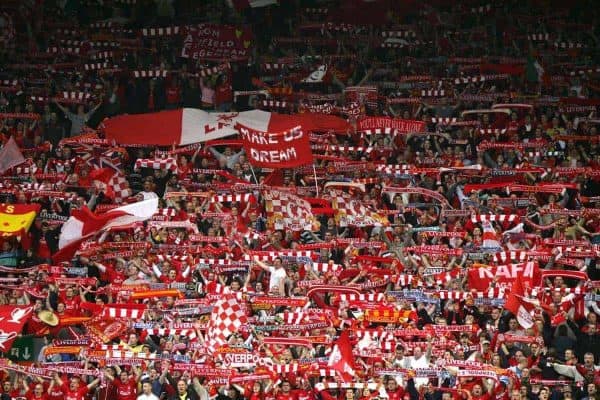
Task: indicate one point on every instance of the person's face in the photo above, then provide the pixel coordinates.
(568, 354)
(512, 324)
(38, 390)
(392, 385)
(418, 352)
(181, 387)
(591, 389)
(476, 390)
(132, 339)
(588, 359)
(285, 387)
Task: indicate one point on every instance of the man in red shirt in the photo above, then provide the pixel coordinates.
(37, 393)
(56, 390)
(71, 302)
(394, 391)
(286, 392)
(126, 384)
(74, 390)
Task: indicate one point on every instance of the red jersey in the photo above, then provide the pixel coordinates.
(32, 396)
(288, 396)
(126, 390)
(56, 393)
(77, 394)
(72, 305)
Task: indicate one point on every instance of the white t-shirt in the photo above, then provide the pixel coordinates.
(421, 362)
(150, 396)
(277, 274)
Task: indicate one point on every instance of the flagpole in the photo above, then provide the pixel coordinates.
(316, 182)
(253, 174)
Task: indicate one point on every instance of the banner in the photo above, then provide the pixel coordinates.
(13, 318)
(287, 211)
(16, 219)
(216, 41)
(481, 277)
(400, 125)
(287, 149)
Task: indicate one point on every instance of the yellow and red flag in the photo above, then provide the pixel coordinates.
(15, 219)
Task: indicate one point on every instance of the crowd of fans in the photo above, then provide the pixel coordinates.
(506, 171)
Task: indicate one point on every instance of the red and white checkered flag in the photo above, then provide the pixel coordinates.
(287, 211)
(226, 318)
(119, 187)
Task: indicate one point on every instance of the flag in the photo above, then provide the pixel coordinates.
(287, 211)
(10, 156)
(490, 237)
(317, 76)
(352, 212)
(15, 219)
(287, 149)
(12, 318)
(226, 318)
(341, 358)
(481, 276)
(84, 224)
(240, 5)
(188, 125)
(517, 304)
(113, 183)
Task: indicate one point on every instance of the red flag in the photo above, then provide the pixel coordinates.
(12, 320)
(113, 183)
(517, 304)
(227, 317)
(84, 224)
(341, 358)
(481, 277)
(287, 149)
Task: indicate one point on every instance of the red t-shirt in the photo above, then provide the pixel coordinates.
(56, 393)
(72, 305)
(173, 95)
(224, 94)
(289, 396)
(32, 396)
(77, 394)
(126, 390)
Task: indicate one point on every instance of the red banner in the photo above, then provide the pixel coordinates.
(216, 41)
(480, 278)
(12, 319)
(400, 125)
(286, 149)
